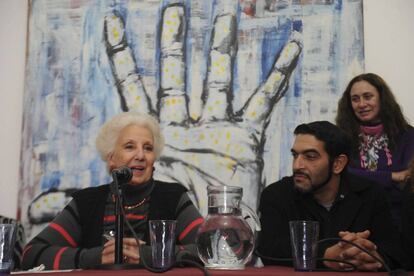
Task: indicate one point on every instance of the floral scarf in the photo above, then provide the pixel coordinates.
(372, 140)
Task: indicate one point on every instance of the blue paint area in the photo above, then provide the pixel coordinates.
(51, 180)
(338, 4)
(297, 25)
(272, 44)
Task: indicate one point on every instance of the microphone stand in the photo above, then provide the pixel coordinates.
(119, 222)
(117, 191)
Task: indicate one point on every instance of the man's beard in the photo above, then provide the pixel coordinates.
(315, 187)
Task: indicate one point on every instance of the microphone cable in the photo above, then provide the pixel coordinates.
(353, 267)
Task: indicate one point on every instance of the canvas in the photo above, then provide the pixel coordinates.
(227, 80)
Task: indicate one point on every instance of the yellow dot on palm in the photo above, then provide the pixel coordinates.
(228, 135)
(253, 114)
(201, 136)
(173, 101)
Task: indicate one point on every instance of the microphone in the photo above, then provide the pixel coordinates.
(122, 174)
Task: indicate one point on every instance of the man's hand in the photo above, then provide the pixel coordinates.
(220, 147)
(347, 252)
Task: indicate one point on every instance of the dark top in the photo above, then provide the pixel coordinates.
(91, 205)
(360, 205)
(408, 222)
(74, 239)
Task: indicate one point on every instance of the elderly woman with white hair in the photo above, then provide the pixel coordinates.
(75, 238)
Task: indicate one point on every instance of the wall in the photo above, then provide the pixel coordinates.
(13, 21)
(388, 43)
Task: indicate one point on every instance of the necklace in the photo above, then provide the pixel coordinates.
(129, 207)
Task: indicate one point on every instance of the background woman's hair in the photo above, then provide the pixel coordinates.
(390, 113)
(109, 132)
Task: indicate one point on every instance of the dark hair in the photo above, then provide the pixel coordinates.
(390, 113)
(336, 141)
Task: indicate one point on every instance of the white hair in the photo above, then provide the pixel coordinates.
(109, 132)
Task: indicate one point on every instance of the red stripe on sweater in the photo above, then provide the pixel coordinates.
(57, 258)
(63, 232)
(111, 218)
(190, 227)
(27, 248)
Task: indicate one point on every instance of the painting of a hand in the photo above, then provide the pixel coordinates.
(221, 146)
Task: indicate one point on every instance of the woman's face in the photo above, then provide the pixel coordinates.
(134, 148)
(365, 101)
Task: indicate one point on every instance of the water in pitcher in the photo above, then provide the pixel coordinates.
(225, 240)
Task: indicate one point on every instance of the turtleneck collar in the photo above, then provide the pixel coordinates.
(136, 193)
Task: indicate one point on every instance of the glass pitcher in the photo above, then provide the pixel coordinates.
(225, 240)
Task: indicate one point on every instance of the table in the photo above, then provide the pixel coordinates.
(265, 271)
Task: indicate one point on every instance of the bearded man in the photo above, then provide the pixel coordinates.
(346, 206)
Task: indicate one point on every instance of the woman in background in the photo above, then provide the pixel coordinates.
(382, 139)
(76, 238)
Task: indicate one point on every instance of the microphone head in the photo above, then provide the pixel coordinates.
(122, 174)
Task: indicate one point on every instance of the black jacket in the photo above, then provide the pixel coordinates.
(359, 205)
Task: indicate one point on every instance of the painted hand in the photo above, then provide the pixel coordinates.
(221, 146)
